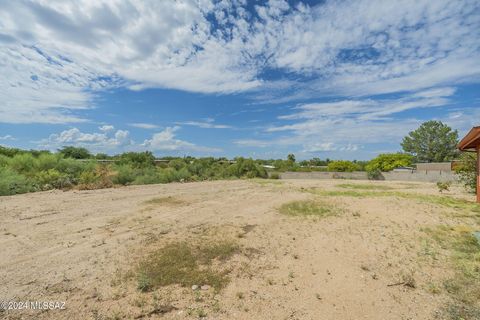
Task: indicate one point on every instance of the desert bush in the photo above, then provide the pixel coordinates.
(374, 174)
(24, 163)
(125, 174)
(274, 175)
(247, 168)
(47, 161)
(98, 179)
(443, 186)
(342, 166)
(138, 159)
(52, 179)
(75, 152)
(177, 164)
(12, 182)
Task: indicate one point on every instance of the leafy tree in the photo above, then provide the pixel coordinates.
(389, 161)
(75, 152)
(342, 166)
(433, 141)
(467, 170)
(291, 157)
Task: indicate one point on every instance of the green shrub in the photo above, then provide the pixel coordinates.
(374, 174)
(342, 166)
(125, 174)
(12, 182)
(388, 161)
(467, 171)
(274, 175)
(247, 168)
(52, 179)
(47, 161)
(75, 152)
(24, 163)
(138, 159)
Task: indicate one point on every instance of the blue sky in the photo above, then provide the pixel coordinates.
(336, 79)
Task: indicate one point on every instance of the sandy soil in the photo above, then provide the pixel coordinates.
(75, 246)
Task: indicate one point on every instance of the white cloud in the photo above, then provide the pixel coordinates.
(142, 125)
(106, 128)
(207, 124)
(252, 143)
(7, 137)
(166, 141)
(96, 141)
(57, 55)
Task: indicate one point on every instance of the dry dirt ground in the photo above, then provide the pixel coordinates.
(366, 261)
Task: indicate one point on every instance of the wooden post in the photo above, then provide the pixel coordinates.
(478, 174)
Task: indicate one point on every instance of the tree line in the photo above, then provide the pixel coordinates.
(32, 170)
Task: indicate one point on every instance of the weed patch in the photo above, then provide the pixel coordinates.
(464, 286)
(363, 186)
(308, 208)
(185, 264)
(164, 201)
(445, 201)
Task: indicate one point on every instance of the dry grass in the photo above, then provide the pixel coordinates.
(308, 208)
(164, 201)
(464, 286)
(363, 186)
(185, 264)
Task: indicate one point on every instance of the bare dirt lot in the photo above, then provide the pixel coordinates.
(256, 249)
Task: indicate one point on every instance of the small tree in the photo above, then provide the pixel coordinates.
(342, 166)
(291, 157)
(433, 141)
(389, 161)
(75, 152)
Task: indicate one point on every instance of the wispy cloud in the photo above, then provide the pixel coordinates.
(55, 64)
(206, 124)
(7, 137)
(142, 125)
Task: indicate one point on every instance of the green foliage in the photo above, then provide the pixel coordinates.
(291, 157)
(24, 163)
(52, 179)
(185, 264)
(375, 174)
(443, 186)
(138, 159)
(307, 208)
(247, 168)
(125, 174)
(12, 182)
(274, 175)
(433, 141)
(75, 152)
(388, 161)
(467, 170)
(342, 166)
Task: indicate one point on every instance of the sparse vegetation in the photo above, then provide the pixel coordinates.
(164, 201)
(27, 171)
(443, 186)
(464, 286)
(308, 208)
(185, 264)
(363, 186)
